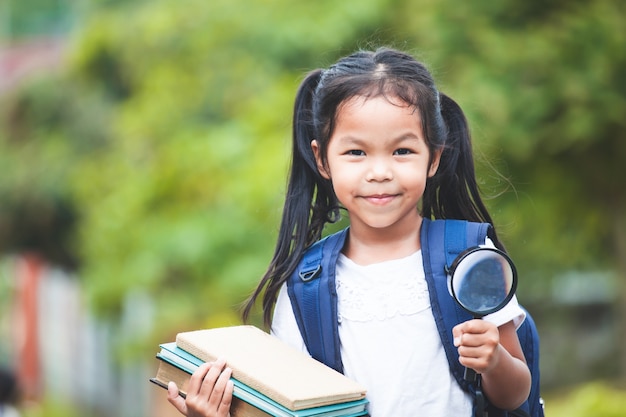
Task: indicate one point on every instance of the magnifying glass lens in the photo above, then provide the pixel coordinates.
(482, 281)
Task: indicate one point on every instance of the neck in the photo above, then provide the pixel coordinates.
(366, 246)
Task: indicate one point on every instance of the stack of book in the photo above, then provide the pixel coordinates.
(270, 377)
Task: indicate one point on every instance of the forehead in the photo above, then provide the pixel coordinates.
(376, 120)
(357, 102)
(379, 109)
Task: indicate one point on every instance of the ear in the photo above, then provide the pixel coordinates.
(434, 165)
(318, 159)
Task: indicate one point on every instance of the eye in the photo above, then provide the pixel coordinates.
(403, 151)
(355, 152)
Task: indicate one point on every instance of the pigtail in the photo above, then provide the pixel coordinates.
(453, 193)
(309, 203)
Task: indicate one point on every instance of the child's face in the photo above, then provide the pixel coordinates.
(378, 162)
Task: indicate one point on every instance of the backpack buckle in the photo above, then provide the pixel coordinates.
(309, 274)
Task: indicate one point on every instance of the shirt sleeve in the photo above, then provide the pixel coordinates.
(284, 325)
(510, 312)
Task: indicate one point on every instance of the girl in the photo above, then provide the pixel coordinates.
(374, 136)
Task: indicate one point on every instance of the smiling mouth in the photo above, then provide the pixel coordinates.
(380, 199)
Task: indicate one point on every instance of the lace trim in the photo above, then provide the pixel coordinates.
(381, 291)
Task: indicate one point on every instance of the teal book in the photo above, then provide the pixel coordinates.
(312, 389)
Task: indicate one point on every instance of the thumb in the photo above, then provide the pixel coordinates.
(173, 396)
(457, 333)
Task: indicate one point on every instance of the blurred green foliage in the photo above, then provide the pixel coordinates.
(53, 409)
(184, 201)
(172, 138)
(542, 83)
(598, 399)
(158, 157)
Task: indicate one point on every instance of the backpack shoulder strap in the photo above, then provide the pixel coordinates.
(529, 340)
(442, 241)
(313, 298)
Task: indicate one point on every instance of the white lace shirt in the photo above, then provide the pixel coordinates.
(389, 340)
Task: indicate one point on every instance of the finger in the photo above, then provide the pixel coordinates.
(197, 378)
(469, 340)
(468, 352)
(173, 396)
(219, 384)
(223, 392)
(471, 358)
(474, 326)
(468, 327)
(481, 358)
(227, 399)
(475, 333)
(211, 378)
(457, 332)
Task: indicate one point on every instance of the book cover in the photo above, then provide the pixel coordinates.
(267, 365)
(174, 354)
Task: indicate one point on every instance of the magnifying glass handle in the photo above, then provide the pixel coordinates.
(469, 375)
(480, 403)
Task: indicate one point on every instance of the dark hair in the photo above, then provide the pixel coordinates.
(310, 201)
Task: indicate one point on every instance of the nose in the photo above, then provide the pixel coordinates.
(379, 170)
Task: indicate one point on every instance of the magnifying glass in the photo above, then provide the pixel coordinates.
(482, 280)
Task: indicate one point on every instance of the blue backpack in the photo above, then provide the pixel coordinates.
(314, 301)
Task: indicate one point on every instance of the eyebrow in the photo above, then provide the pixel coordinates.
(348, 139)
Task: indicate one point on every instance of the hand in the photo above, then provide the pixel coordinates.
(209, 394)
(478, 343)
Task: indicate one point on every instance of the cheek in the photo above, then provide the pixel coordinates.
(344, 181)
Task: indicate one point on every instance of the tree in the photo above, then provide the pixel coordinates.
(543, 84)
(183, 196)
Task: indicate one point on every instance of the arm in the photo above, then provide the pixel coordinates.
(284, 324)
(495, 352)
(209, 394)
